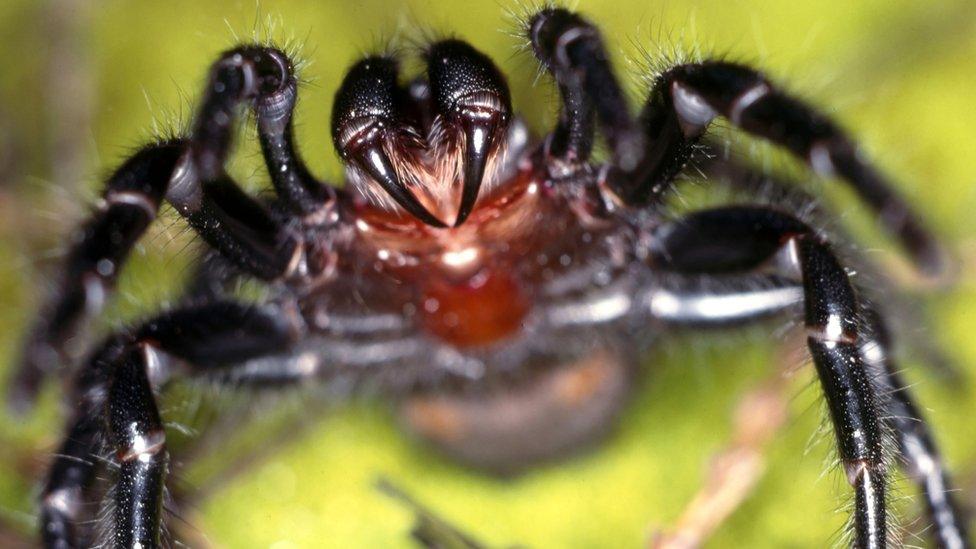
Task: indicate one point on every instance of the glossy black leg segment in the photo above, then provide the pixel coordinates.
(68, 481)
(722, 301)
(226, 217)
(243, 231)
(755, 236)
(685, 100)
(248, 75)
(229, 220)
(190, 174)
(116, 402)
(572, 50)
(753, 184)
(296, 187)
(919, 453)
(572, 140)
(135, 433)
(722, 240)
(129, 204)
(223, 333)
(66, 508)
(671, 143)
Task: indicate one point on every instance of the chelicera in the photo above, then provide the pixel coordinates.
(467, 263)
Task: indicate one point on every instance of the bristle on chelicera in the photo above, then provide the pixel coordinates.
(432, 168)
(430, 149)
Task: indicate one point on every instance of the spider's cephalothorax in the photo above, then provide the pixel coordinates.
(505, 284)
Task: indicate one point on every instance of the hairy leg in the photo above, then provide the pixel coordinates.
(649, 151)
(116, 408)
(919, 455)
(740, 239)
(189, 173)
(831, 317)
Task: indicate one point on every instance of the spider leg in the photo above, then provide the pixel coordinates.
(741, 300)
(919, 454)
(233, 223)
(189, 173)
(69, 479)
(294, 184)
(129, 204)
(681, 105)
(572, 50)
(787, 193)
(733, 300)
(115, 393)
(831, 309)
(753, 237)
(686, 98)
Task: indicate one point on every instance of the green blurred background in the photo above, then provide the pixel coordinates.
(81, 83)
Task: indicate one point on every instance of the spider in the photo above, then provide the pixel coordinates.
(506, 283)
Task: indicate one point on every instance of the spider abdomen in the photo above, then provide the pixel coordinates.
(555, 412)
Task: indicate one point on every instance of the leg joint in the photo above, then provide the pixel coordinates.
(143, 447)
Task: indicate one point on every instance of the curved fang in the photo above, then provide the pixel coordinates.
(470, 91)
(375, 162)
(480, 127)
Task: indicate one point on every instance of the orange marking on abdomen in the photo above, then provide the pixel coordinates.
(480, 310)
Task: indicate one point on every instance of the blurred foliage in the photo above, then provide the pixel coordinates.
(83, 83)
